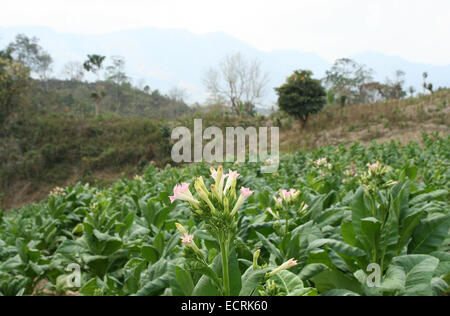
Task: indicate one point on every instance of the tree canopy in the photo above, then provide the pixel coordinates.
(301, 95)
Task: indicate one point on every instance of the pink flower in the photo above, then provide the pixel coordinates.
(374, 165)
(214, 176)
(285, 194)
(187, 239)
(246, 193)
(233, 174)
(182, 193)
(291, 263)
(322, 161)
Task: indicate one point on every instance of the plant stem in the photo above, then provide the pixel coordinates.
(224, 245)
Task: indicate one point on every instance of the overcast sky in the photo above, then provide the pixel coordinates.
(413, 29)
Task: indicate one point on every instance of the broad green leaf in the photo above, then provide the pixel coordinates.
(419, 270)
(184, 280)
(270, 247)
(430, 234)
(312, 270)
(251, 279)
(287, 281)
(338, 246)
(339, 292)
(150, 253)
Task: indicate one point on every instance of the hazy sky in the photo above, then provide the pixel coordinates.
(413, 29)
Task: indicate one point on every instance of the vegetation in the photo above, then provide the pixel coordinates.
(301, 95)
(349, 210)
(354, 218)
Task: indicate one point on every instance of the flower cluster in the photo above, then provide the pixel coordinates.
(219, 205)
(350, 173)
(286, 197)
(377, 169)
(58, 191)
(138, 178)
(323, 163)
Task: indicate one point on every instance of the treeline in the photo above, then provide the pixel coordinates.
(240, 84)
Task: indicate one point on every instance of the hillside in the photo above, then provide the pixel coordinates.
(399, 120)
(74, 97)
(40, 152)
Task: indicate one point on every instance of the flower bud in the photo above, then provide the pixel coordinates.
(181, 229)
(255, 259)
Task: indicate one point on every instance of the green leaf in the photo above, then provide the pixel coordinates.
(419, 270)
(154, 287)
(370, 227)
(209, 284)
(407, 227)
(348, 233)
(430, 234)
(394, 280)
(150, 253)
(334, 279)
(444, 263)
(427, 197)
(339, 292)
(270, 247)
(251, 280)
(287, 281)
(90, 288)
(312, 270)
(360, 207)
(338, 246)
(184, 280)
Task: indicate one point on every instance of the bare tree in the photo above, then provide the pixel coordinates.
(116, 74)
(239, 81)
(178, 94)
(73, 71)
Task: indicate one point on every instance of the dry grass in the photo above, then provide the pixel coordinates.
(404, 121)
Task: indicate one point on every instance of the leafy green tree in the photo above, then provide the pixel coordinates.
(94, 64)
(14, 80)
(346, 78)
(301, 95)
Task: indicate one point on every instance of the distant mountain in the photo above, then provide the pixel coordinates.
(166, 58)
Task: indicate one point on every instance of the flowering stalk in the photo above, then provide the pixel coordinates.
(217, 207)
